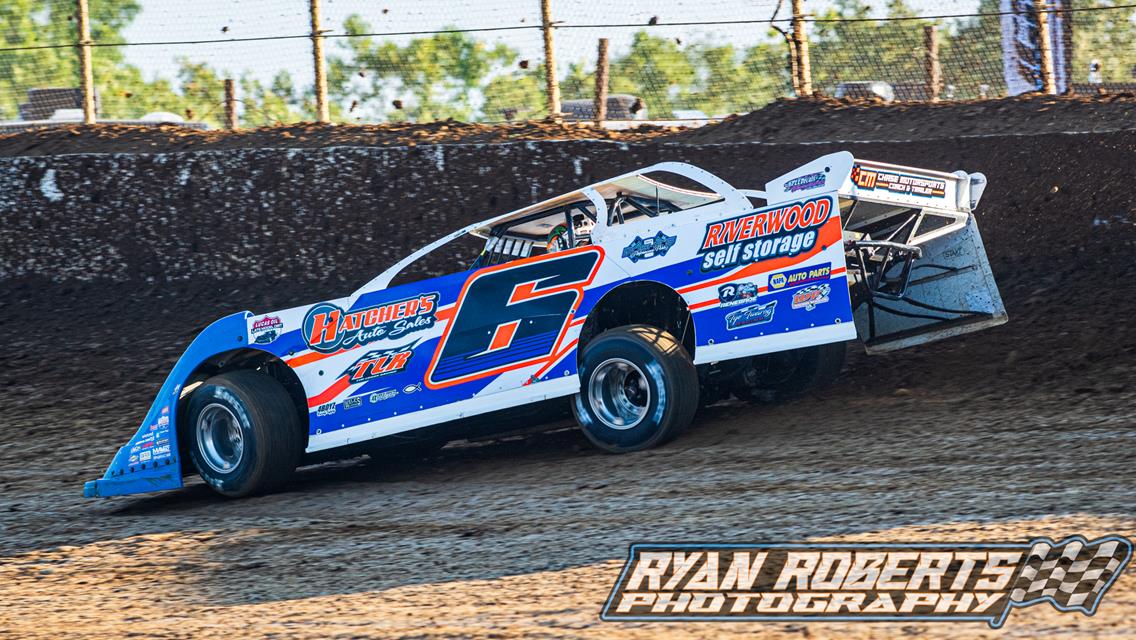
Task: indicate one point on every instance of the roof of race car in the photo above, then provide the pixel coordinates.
(634, 183)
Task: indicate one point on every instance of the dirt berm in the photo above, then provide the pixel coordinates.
(110, 263)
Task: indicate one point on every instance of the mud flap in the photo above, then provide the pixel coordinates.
(951, 291)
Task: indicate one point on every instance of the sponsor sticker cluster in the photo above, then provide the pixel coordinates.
(376, 397)
(153, 444)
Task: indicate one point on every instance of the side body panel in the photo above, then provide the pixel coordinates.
(755, 280)
(388, 361)
(383, 362)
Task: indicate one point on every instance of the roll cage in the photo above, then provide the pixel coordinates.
(620, 200)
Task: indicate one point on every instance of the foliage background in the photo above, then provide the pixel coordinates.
(463, 71)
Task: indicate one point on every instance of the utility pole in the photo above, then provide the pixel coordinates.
(601, 83)
(934, 70)
(322, 114)
(1044, 44)
(88, 75)
(552, 83)
(801, 42)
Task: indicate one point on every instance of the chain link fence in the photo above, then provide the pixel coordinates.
(485, 61)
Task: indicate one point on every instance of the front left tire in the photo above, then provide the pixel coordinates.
(242, 433)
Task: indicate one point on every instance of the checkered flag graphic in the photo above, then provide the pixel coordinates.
(1073, 573)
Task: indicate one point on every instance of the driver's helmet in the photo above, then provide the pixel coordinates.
(557, 239)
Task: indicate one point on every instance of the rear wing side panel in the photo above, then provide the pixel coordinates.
(880, 182)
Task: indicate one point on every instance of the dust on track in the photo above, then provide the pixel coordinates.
(523, 537)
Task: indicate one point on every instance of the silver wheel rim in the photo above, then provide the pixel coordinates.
(219, 438)
(619, 393)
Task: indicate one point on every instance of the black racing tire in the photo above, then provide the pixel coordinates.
(254, 409)
(779, 377)
(644, 372)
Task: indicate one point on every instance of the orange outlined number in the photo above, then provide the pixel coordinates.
(512, 315)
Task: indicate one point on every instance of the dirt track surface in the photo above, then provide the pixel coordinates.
(785, 121)
(1023, 430)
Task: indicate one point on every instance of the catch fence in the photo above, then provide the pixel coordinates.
(262, 62)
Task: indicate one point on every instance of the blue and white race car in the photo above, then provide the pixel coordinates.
(638, 298)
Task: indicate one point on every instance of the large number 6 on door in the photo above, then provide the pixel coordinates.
(512, 316)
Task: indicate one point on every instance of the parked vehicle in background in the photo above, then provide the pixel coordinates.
(54, 107)
(865, 90)
(620, 106)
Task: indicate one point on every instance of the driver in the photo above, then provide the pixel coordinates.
(557, 239)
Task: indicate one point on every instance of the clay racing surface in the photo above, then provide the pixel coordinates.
(1019, 431)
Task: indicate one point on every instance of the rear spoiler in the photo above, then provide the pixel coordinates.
(880, 182)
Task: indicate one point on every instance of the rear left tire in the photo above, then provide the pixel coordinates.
(638, 389)
(242, 434)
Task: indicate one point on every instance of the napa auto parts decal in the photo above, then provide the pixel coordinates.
(328, 328)
(801, 277)
(786, 230)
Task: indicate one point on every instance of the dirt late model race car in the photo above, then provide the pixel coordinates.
(639, 297)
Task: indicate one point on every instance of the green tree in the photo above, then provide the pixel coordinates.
(433, 78)
(37, 23)
(123, 91)
(730, 82)
(970, 53)
(858, 49)
(517, 95)
(657, 70)
(1106, 36)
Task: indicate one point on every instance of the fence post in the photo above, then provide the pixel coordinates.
(934, 71)
(794, 74)
(1048, 85)
(230, 105)
(801, 41)
(322, 114)
(552, 83)
(88, 75)
(601, 83)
